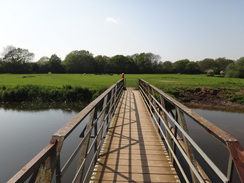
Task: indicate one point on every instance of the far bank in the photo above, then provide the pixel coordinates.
(192, 90)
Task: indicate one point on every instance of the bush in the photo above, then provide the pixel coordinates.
(237, 99)
(235, 70)
(210, 72)
(45, 94)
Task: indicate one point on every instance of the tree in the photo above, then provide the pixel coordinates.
(101, 63)
(146, 62)
(79, 62)
(43, 65)
(210, 72)
(7, 49)
(240, 65)
(180, 66)
(54, 64)
(207, 64)
(192, 68)
(1, 66)
(167, 67)
(122, 64)
(236, 69)
(16, 60)
(222, 63)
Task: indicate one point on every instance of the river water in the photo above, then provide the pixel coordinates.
(25, 133)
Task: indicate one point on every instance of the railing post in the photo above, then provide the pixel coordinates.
(230, 168)
(99, 138)
(168, 138)
(188, 147)
(110, 109)
(85, 145)
(45, 171)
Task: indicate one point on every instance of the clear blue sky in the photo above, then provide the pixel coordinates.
(174, 29)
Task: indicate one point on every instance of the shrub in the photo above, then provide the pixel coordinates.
(45, 94)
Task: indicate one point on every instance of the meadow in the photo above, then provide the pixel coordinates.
(60, 87)
(96, 82)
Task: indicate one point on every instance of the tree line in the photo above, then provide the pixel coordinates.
(19, 60)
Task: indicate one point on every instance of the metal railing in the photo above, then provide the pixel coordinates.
(48, 165)
(170, 119)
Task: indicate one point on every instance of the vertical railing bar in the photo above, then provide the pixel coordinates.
(170, 149)
(72, 156)
(105, 100)
(205, 157)
(84, 150)
(182, 152)
(52, 162)
(168, 138)
(90, 166)
(230, 168)
(188, 147)
(89, 150)
(34, 176)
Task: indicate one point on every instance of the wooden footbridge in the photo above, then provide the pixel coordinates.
(128, 135)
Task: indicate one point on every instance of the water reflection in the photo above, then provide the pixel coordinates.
(24, 133)
(230, 122)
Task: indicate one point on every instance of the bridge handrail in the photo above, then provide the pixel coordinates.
(155, 99)
(47, 163)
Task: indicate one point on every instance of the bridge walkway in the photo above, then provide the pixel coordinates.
(132, 151)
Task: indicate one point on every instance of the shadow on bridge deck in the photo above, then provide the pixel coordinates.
(132, 151)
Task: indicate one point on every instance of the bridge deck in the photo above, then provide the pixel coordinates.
(132, 151)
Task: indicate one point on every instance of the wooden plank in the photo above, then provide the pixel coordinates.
(132, 151)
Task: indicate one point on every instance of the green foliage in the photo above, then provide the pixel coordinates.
(121, 64)
(207, 64)
(236, 69)
(79, 62)
(55, 64)
(23, 93)
(167, 67)
(222, 63)
(102, 64)
(210, 72)
(91, 81)
(237, 99)
(15, 60)
(180, 66)
(69, 87)
(146, 62)
(192, 68)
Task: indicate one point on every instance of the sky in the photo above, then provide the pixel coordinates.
(173, 29)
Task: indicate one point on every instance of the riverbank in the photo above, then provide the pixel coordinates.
(54, 90)
(202, 98)
(221, 99)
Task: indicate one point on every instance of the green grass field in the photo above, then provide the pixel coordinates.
(96, 82)
(58, 87)
(90, 81)
(177, 80)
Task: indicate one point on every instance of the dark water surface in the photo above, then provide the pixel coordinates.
(23, 134)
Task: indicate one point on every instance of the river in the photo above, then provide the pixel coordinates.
(24, 133)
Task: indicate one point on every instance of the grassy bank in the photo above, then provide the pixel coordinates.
(84, 87)
(198, 89)
(52, 90)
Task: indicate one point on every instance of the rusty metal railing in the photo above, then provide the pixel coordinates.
(170, 120)
(48, 166)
